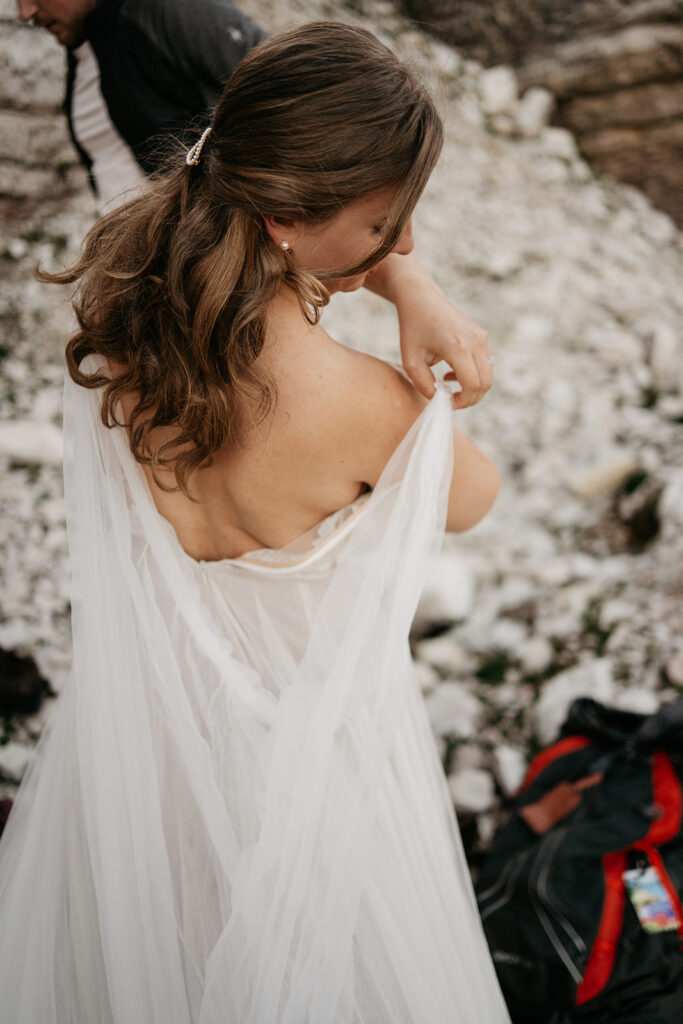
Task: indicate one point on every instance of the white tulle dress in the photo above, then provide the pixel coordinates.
(238, 815)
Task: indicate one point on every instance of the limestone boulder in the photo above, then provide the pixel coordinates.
(615, 70)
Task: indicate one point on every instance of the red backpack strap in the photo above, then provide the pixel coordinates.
(546, 757)
(666, 793)
(603, 954)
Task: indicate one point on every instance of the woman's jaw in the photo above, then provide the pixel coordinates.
(349, 284)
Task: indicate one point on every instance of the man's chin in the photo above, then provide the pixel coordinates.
(67, 35)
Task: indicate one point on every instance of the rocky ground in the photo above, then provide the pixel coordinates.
(573, 585)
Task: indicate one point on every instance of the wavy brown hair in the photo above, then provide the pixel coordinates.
(174, 285)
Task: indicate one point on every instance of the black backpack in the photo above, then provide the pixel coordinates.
(596, 832)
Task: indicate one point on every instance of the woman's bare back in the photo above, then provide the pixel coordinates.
(337, 417)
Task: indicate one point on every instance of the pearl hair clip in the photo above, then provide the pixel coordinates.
(195, 152)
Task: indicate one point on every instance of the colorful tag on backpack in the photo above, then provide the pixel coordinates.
(650, 900)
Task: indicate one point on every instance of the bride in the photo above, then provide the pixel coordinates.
(238, 813)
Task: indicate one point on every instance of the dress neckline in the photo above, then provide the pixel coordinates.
(305, 549)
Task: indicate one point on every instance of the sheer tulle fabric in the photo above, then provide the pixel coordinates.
(238, 813)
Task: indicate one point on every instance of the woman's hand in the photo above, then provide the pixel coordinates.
(433, 329)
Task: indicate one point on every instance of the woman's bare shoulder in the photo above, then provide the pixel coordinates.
(376, 406)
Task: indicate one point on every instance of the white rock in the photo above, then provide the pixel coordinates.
(617, 610)
(552, 170)
(562, 614)
(660, 227)
(671, 406)
(469, 111)
(449, 592)
(581, 170)
(615, 348)
(52, 510)
(486, 827)
(14, 369)
(17, 248)
(590, 679)
(510, 766)
(666, 358)
(28, 441)
(583, 566)
(671, 502)
(507, 695)
(562, 625)
(619, 637)
(674, 669)
(448, 61)
(453, 709)
(534, 111)
(638, 699)
(412, 39)
(15, 634)
(507, 635)
(498, 90)
(472, 790)
(605, 476)
(560, 143)
(535, 654)
(14, 758)
(468, 755)
(502, 262)
(532, 329)
(46, 404)
(641, 376)
(443, 653)
(427, 676)
(503, 124)
(515, 590)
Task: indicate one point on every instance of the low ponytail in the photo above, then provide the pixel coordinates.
(174, 286)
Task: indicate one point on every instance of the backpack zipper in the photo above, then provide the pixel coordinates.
(545, 907)
(550, 903)
(500, 881)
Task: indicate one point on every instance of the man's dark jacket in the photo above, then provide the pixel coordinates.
(162, 66)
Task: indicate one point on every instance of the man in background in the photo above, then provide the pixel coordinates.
(139, 71)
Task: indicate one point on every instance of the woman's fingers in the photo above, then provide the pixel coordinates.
(474, 372)
(422, 377)
(434, 330)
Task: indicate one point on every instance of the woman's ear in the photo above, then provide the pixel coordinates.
(280, 229)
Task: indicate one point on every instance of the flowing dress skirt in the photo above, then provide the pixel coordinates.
(238, 813)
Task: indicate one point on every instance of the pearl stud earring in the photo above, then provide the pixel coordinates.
(284, 246)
